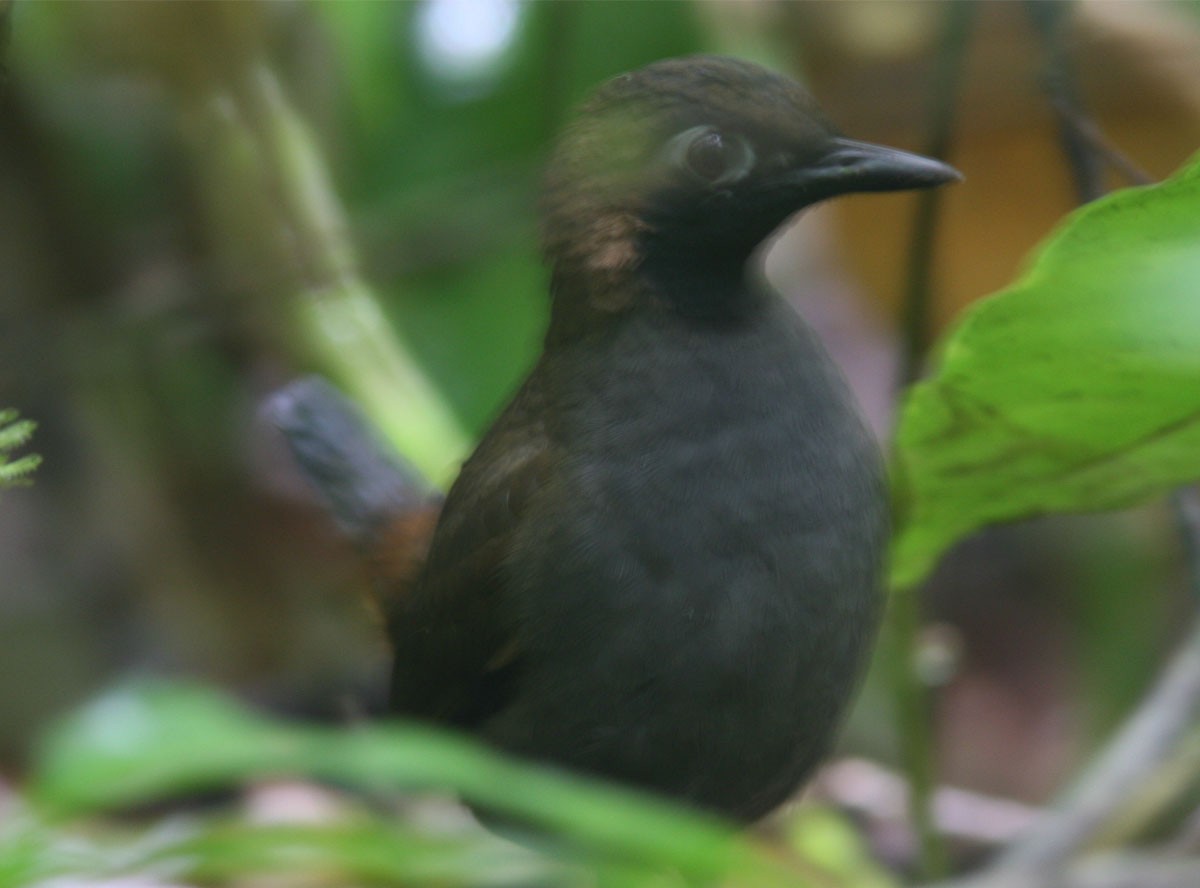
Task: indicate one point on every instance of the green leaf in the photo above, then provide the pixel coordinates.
(1076, 389)
(826, 837)
(358, 853)
(348, 850)
(152, 741)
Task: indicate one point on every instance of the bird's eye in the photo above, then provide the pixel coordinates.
(712, 156)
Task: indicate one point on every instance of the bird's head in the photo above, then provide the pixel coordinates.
(698, 160)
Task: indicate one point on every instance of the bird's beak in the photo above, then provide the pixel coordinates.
(849, 166)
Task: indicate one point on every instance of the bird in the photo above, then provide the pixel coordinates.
(662, 564)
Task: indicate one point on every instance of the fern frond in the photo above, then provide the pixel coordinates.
(13, 434)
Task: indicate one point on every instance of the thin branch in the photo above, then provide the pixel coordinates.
(1085, 146)
(1049, 18)
(1095, 140)
(1157, 725)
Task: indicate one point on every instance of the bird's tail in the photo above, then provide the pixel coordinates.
(383, 505)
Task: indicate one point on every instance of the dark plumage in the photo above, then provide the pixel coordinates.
(662, 563)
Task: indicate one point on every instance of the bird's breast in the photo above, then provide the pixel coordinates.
(719, 482)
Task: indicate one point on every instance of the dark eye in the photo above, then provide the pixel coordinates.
(712, 156)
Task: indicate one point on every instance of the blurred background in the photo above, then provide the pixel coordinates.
(200, 202)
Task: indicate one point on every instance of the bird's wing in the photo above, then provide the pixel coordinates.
(455, 647)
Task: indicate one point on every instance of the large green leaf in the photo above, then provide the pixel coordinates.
(148, 742)
(1076, 389)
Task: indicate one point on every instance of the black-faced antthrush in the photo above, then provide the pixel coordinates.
(662, 564)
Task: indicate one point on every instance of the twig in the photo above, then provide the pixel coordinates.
(878, 796)
(1048, 18)
(1102, 871)
(1096, 141)
(1162, 719)
(1085, 146)
(902, 637)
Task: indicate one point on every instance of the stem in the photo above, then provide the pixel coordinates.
(1096, 141)
(1048, 18)
(911, 700)
(918, 296)
(338, 312)
(1085, 147)
(902, 639)
(6, 7)
(276, 218)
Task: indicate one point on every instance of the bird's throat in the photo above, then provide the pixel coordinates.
(709, 289)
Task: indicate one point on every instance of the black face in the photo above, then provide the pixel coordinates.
(719, 187)
(726, 187)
